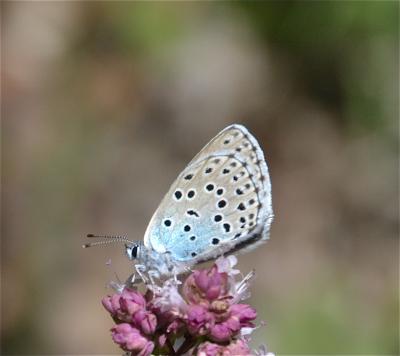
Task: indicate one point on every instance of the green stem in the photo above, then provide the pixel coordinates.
(170, 347)
(187, 345)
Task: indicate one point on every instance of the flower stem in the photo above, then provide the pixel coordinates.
(170, 347)
(187, 344)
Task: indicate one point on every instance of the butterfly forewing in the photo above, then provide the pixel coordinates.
(219, 201)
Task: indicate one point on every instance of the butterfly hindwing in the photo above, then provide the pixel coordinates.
(221, 200)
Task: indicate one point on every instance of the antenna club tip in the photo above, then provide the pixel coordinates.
(85, 245)
(89, 235)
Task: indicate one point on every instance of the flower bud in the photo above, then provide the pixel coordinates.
(199, 320)
(145, 321)
(130, 339)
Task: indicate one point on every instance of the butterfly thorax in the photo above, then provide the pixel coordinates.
(152, 261)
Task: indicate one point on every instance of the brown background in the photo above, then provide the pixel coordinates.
(105, 102)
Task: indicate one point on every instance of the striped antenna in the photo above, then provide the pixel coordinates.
(112, 239)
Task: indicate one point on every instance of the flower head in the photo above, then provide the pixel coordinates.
(203, 316)
(211, 295)
(205, 286)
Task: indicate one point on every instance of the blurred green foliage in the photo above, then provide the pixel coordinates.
(336, 48)
(326, 324)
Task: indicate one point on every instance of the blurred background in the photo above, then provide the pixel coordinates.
(104, 103)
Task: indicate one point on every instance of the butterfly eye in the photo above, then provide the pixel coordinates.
(134, 252)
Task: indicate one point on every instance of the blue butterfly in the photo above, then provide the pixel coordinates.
(220, 204)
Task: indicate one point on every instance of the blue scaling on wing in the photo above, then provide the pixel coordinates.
(220, 202)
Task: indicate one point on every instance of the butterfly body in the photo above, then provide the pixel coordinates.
(148, 260)
(220, 203)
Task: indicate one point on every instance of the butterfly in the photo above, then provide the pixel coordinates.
(219, 204)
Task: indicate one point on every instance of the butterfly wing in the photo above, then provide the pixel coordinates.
(221, 202)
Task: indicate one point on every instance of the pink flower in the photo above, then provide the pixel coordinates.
(123, 305)
(199, 320)
(212, 310)
(203, 317)
(222, 332)
(226, 264)
(167, 298)
(230, 323)
(209, 349)
(205, 286)
(175, 326)
(244, 313)
(169, 307)
(239, 347)
(130, 339)
(146, 321)
(130, 306)
(162, 339)
(236, 348)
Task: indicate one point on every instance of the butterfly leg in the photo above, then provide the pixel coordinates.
(141, 269)
(132, 280)
(153, 274)
(176, 280)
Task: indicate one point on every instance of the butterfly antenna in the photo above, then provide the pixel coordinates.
(112, 239)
